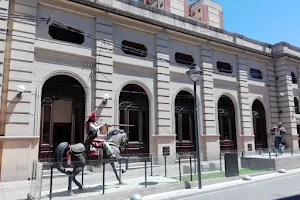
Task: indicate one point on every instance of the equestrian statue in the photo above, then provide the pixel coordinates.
(94, 151)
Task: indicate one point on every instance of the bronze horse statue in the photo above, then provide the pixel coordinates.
(79, 155)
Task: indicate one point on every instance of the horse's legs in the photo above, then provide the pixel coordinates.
(126, 163)
(115, 171)
(76, 171)
(70, 184)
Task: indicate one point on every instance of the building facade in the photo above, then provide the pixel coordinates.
(127, 61)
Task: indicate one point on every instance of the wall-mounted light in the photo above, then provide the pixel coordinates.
(106, 97)
(21, 89)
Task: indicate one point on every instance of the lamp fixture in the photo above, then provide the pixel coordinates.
(21, 89)
(105, 98)
(194, 73)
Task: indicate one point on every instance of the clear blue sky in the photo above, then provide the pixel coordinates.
(270, 21)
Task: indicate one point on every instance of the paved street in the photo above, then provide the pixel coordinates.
(286, 187)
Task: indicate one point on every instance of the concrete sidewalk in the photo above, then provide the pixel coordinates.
(110, 188)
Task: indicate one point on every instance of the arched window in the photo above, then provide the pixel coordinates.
(184, 122)
(294, 78)
(224, 67)
(227, 127)
(259, 125)
(184, 59)
(134, 110)
(255, 73)
(135, 49)
(296, 104)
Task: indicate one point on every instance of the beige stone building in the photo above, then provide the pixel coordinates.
(127, 60)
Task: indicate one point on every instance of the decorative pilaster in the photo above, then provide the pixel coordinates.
(164, 137)
(247, 136)
(18, 53)
(209, 115)
(273, 97)
(273, 94)
(104, 69)
(285, 97)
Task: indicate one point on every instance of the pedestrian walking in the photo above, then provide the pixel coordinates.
(278, 132)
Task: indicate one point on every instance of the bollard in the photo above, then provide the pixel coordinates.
(151, 165)
(51, 181)
(243, 160)
(276, 153)
(82, 176)
(259, 151)
(165, 165)
(179, 168)
(103, 179)
(195, 162)
(136, 197)
(191, 172)
(145, 173)
(269, 154)
(220, 161)
(292, 151)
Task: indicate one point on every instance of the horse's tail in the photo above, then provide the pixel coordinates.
(61, 149)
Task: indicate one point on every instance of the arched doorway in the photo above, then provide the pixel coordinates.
(62, 114)
(227, 128)
(134, 110)
(259, 125)
(185, 122)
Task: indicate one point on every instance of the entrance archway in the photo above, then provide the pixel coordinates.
(259, 125)
(134, 110)
(227, 127)
(62, 114)
(184, 122)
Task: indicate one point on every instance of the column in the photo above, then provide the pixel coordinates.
(104, 70)
(164, 137)
(210, 137)
(286, 101)
(245, 137)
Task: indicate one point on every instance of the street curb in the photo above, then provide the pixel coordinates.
(194, 184)
(226, 187)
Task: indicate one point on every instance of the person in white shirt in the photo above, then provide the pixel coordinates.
(278, 131)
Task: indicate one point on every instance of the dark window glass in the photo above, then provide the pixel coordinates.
(66, 34)
(134, 49)
(184, 59)
(296, 104)
(224, 67)
(294, 79)
(255, 73)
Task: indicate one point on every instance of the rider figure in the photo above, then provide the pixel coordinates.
(92, 129)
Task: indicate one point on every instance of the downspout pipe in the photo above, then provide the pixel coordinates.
(6, 67)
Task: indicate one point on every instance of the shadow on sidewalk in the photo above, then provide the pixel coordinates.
(77, 191)
(295, 197)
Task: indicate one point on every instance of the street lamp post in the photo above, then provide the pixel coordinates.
(194, 74)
